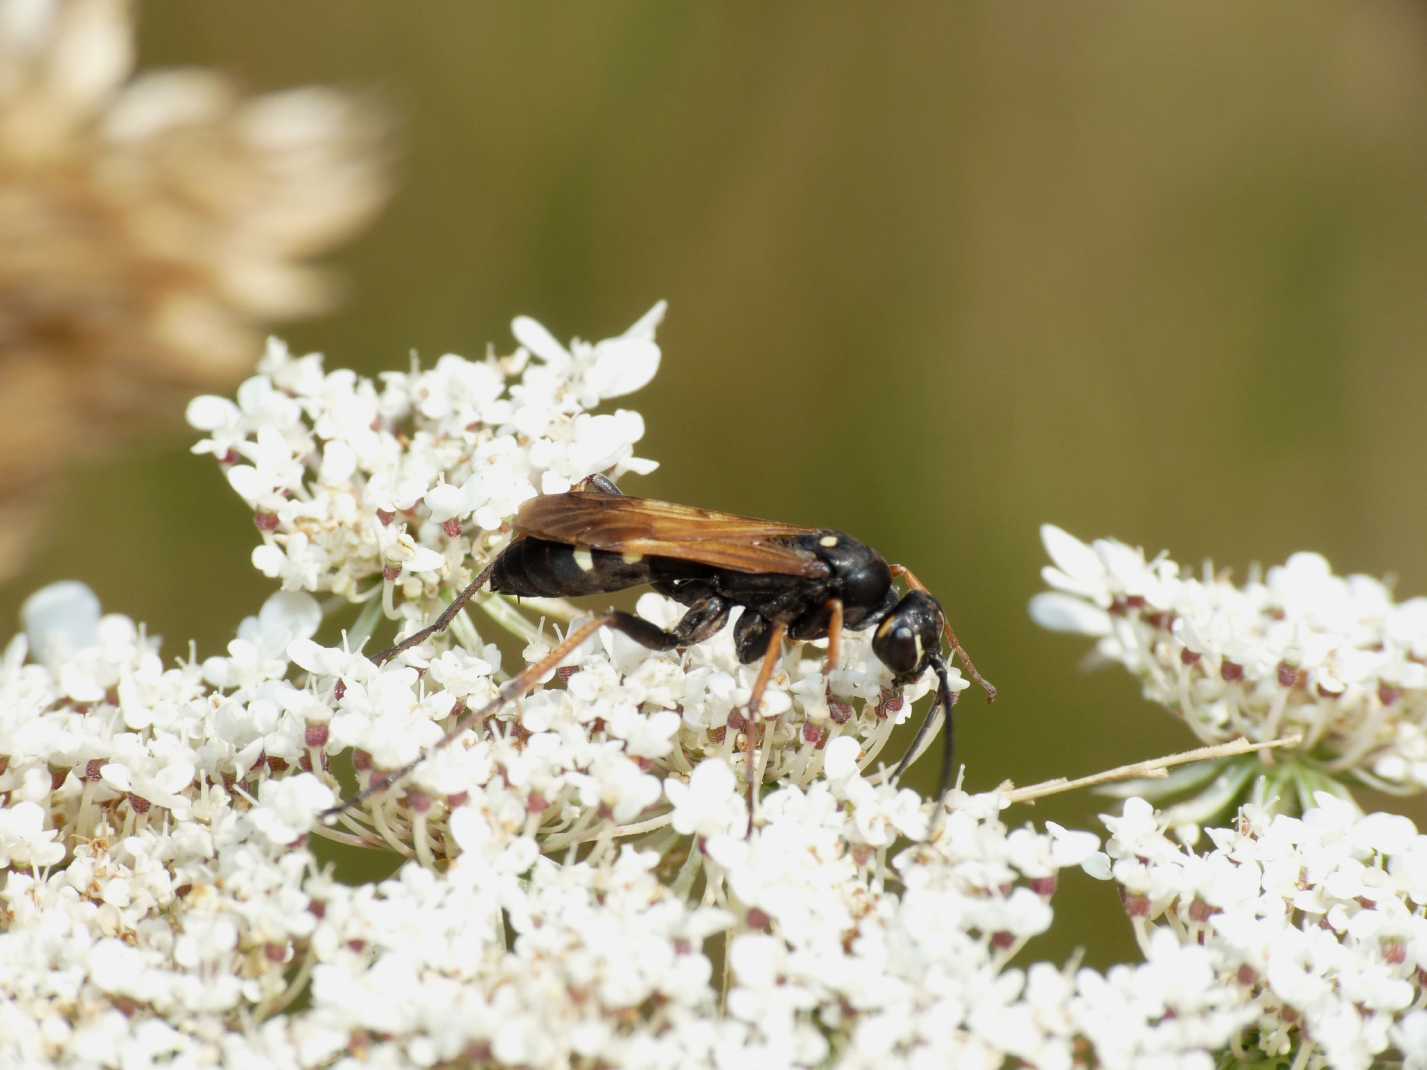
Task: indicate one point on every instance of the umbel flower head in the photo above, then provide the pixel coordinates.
(570, 859)
(1315, 924)
(580, 885)
(151, 227)
(1294, 651)
(394, 495)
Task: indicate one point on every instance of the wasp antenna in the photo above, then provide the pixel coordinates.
(971, 670)
(512, 689)
(907, 575)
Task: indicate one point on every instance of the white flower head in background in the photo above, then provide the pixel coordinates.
(1293, 651)
(154, 225)
(1314, 924)
(404, 485)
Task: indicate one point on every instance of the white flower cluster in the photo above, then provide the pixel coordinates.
(1316, 924)
(155, 816)
(844, 960)
(594, 758)
(505, 959)
(1295, 650)
(149, 813)
(405, 484)
(181, 929)
(581, 886)
(174, 932)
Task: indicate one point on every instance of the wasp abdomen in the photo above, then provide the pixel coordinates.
(539, 568)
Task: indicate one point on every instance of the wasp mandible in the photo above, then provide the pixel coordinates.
(792, 583)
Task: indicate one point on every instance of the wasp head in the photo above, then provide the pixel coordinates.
(909, 638)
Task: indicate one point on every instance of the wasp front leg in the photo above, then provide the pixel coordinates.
(834, 647)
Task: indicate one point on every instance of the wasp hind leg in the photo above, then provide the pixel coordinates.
(750, 717)
(511, 690)
(703, 619)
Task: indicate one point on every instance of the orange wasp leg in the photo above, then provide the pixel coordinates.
(512, 689)
(760, 685)
(834, 636)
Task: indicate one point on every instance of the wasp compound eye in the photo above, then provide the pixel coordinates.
(897, 646)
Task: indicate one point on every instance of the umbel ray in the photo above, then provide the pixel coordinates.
(792, 582)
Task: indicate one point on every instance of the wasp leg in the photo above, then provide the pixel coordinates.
(834, 643)
(602, 484)
(929, 724)
(703, 619)
(512, 689)
(750, 717)
(945, 703)
(948, 749)
(750, 636)
(834, 635)
(904, 573)
(442, 622)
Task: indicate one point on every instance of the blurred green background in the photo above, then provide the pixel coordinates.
(937, 274)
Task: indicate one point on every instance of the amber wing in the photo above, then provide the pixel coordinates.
(662, 529)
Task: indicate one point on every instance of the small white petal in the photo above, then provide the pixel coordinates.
(244, 479)
(647, 324)
(289, 615)
(1071, 847)
(541, 343)
(339, 462)
(209, 413)
(840, 758)
(60, 620)
(1097, 865)
(622, 366)
(117, 776)
(1072, 556)
(446, 501)
(1059, 612)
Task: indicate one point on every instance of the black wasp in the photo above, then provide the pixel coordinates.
(792, 582)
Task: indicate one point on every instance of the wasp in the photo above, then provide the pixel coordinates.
(791, 582)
